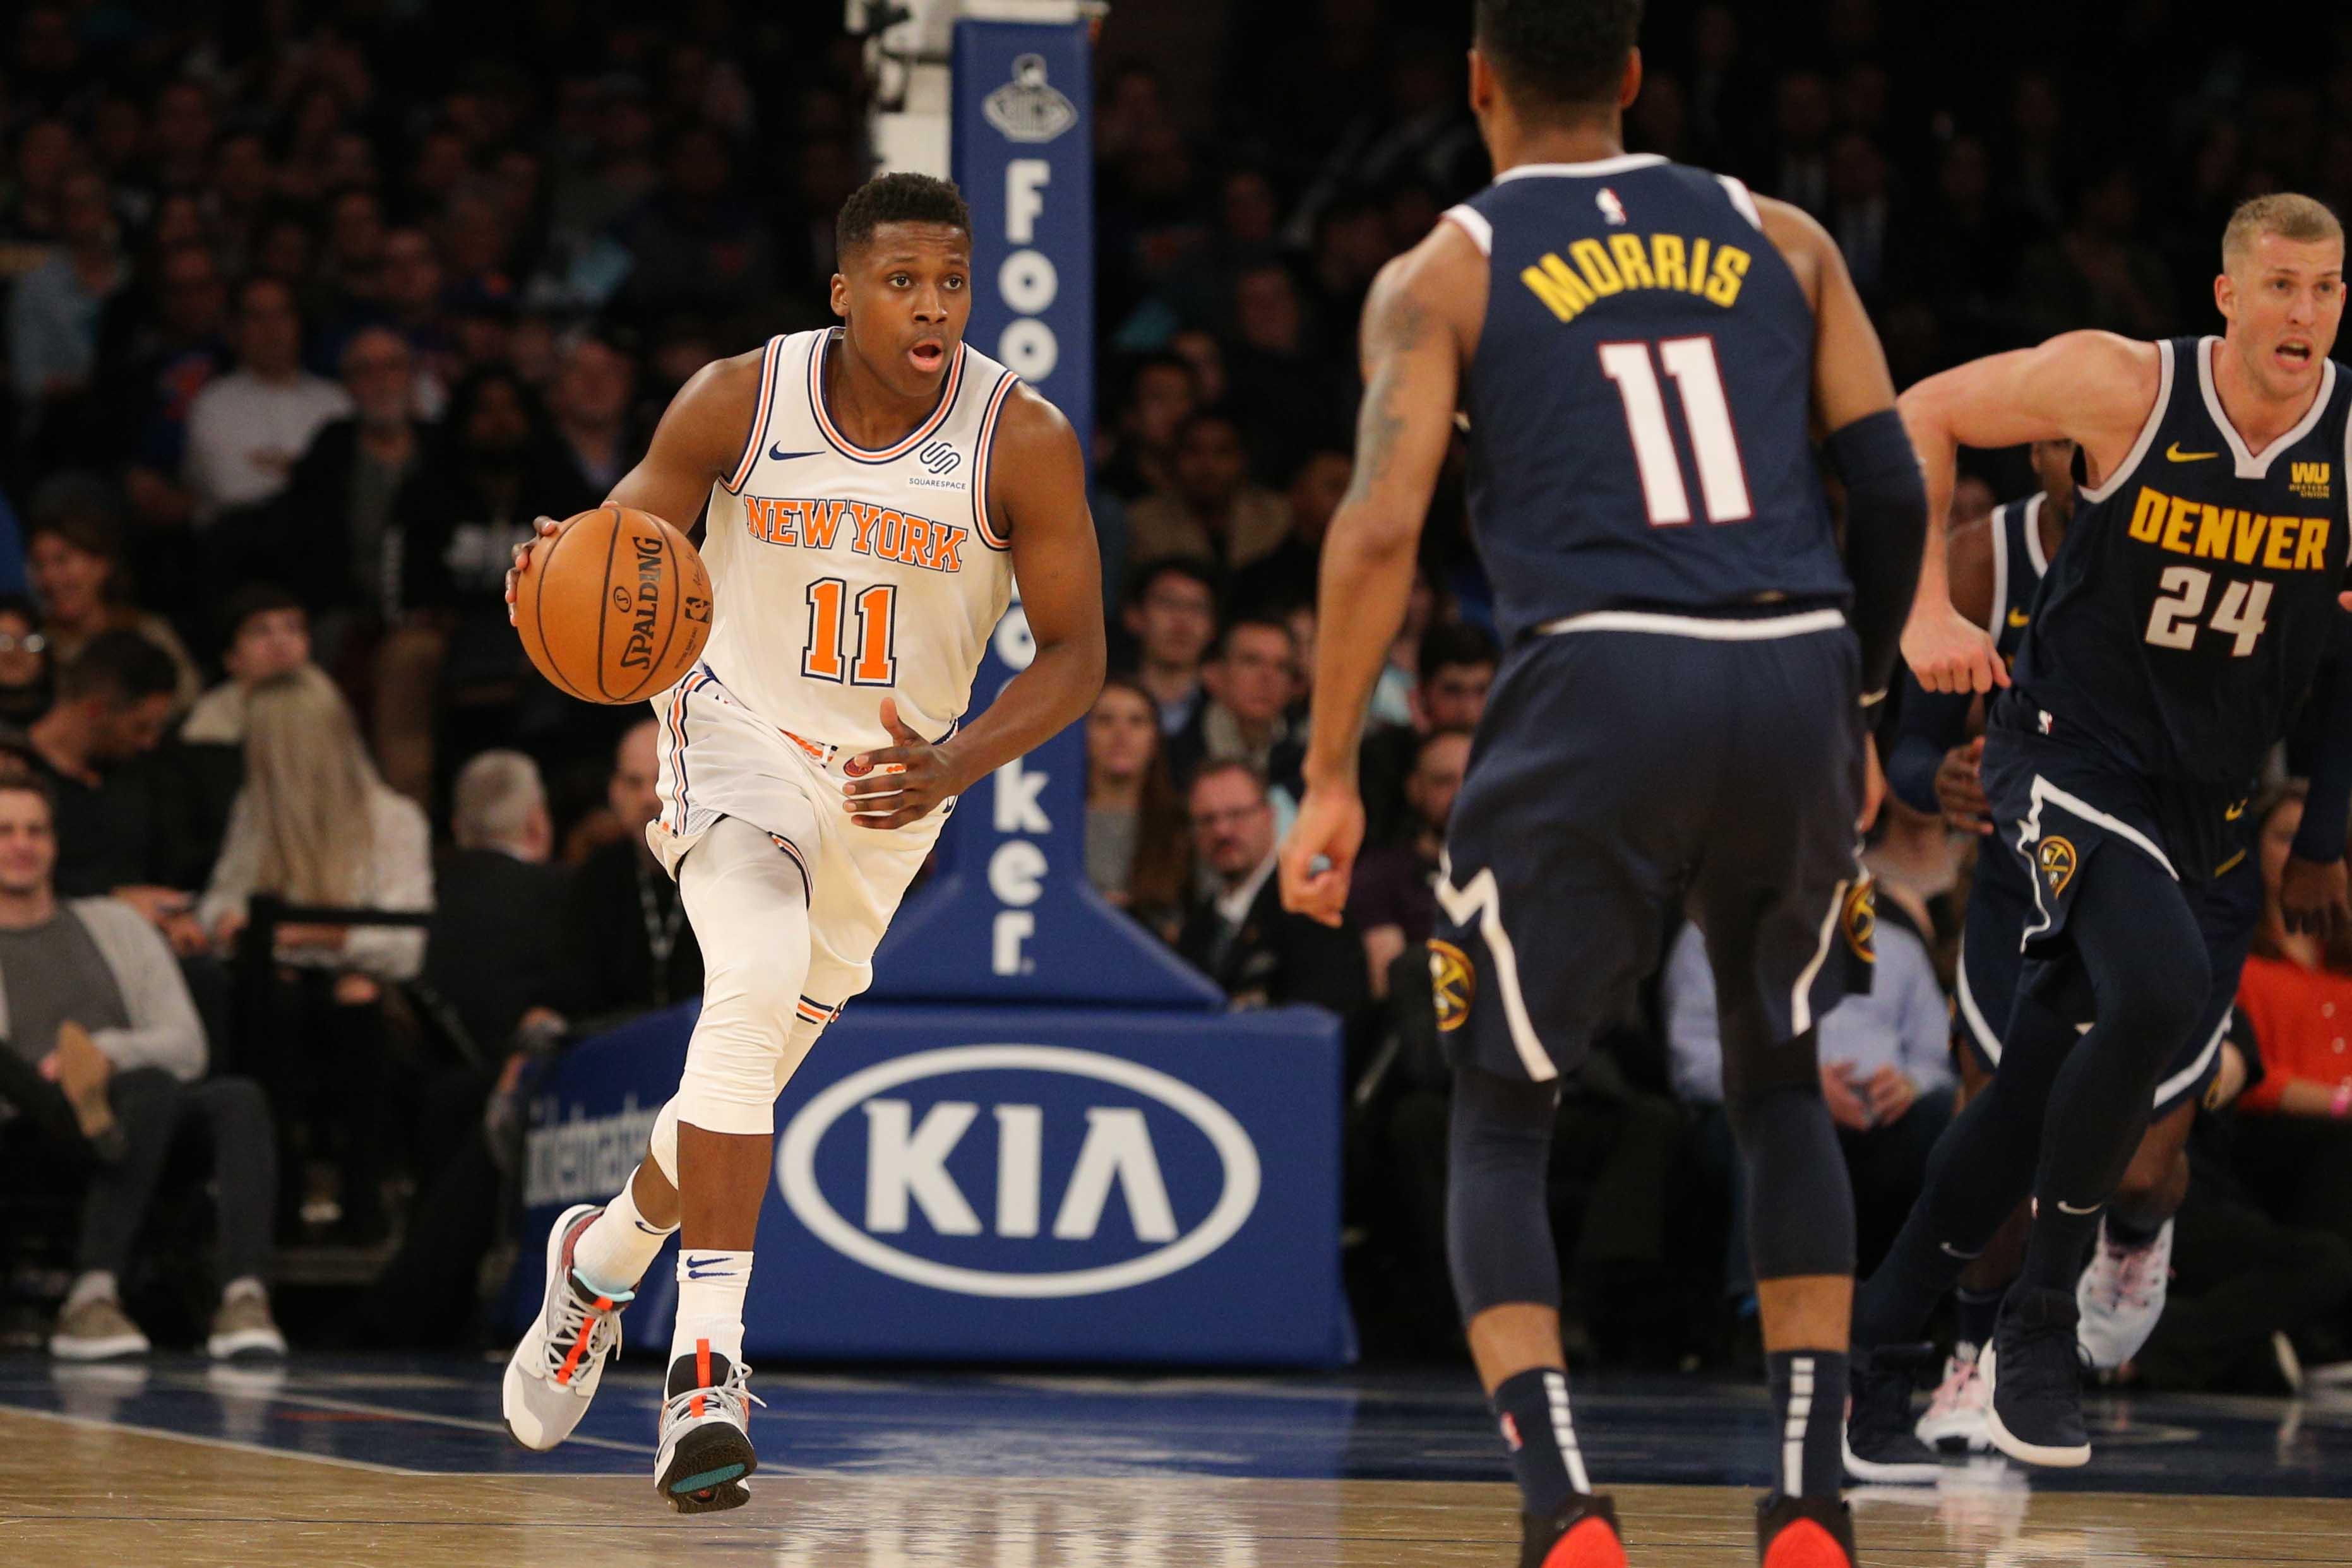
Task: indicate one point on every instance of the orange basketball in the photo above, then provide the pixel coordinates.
(615, 606)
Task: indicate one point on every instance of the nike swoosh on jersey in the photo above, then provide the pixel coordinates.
(2173, 453)
(2019, 617)
(778, 454)
(2231, 813)
(2065, 1207)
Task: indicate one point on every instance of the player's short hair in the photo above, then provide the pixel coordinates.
(899, 198)
(1451, 644)
(1561, 55)
(492, 800)
(2282, 213)
(121, 667)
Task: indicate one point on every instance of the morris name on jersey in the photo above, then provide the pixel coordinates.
(1633, 262)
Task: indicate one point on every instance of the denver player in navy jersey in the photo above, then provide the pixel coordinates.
(1644, 352)
(2180, 628)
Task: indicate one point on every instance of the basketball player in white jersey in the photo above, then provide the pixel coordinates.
(873, 492)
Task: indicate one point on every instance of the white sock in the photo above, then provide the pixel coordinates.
(613, 1253)
(94, 1285)
(710, 1284)
(245, 1285)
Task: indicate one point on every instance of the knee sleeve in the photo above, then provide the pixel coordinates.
(749, 910)
(1498, 1241)
(1799, 1199)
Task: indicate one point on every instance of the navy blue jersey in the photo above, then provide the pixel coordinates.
(1640, 400)
(2019, 566)
(2195, 594)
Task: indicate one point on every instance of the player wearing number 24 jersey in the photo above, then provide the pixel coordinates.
(2177, 631)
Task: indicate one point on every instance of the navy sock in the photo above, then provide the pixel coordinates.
(1809, 1389)
(1532, 1410)
(1977, 1310)
(2124, 1233)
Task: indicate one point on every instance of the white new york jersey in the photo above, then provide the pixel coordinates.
(841, 575)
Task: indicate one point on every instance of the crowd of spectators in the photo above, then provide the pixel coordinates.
(308, 315)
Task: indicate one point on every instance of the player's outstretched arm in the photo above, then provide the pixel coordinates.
(700, 442)
(1853, 400)
(2095, 387)
(1414, 332)
(1038, 487)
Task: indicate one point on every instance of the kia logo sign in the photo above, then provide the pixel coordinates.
(907, 1175)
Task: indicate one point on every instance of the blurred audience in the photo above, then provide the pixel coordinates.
(105, 1067)
(314, 827)
(1172, 616)
(628, 930)
(1238, 934)
(1139, 852)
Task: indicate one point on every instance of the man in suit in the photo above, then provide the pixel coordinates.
(628, 933)
(1240, 937)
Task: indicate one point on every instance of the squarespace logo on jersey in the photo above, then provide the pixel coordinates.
(1025, 1171)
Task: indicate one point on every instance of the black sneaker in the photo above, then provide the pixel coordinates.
(1582, 1535)
(1805, 1532)
(2034, 1382)
(1882, 1442)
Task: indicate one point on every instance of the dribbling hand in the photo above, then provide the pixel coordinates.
(1318, 857)
(1949, 652)
(545, 528)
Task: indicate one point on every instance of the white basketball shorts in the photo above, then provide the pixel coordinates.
(719, 758)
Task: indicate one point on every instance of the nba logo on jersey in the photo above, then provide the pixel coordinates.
(1611, 207)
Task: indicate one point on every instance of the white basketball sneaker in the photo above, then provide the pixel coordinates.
(706, 1441)
(553, 1373)
(2121, 1296)
(1955, 1416)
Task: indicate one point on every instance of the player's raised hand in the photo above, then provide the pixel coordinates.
(2312, 896)
(1959, 788)
(1950, 652)
(898, 784)
(1320, 855)
(545, 528)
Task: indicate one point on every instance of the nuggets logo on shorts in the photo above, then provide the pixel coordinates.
(1453, 982)
(2056, 857)
(1860, 920)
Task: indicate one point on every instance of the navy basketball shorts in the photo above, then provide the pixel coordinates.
(1628, 770)
(2055, 805)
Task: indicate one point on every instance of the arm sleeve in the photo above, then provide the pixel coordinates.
(1928, 725)
(1885, 531)
(2321, 837)
(165, 1030)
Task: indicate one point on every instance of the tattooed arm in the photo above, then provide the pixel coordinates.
(1420, 323)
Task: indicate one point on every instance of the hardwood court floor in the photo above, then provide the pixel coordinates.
(402, 1467)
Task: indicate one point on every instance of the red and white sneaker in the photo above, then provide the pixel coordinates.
(555, 1372)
